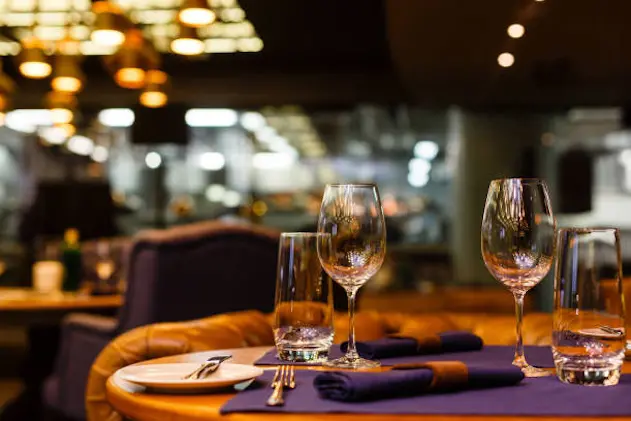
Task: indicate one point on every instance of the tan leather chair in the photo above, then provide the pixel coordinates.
(252, 328)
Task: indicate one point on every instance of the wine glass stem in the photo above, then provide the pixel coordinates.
(351, 351)
(519, 360)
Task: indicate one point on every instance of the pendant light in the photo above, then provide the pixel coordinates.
(187, 43)
(130, 73)
(33, 61)
(67, 75)
(110, 24)
(130, 63)
(61, 106)
(154, 95)
(196, 13)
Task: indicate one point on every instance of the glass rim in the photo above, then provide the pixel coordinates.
(300, 234)
(352, 184)
(589, 230)
(523, 179)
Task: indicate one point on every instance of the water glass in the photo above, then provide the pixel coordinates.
(589, 338)
(303, 315)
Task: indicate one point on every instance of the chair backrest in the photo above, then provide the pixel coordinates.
(199, 270)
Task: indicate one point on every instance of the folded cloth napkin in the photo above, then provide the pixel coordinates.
(415, 343)
(412, 379)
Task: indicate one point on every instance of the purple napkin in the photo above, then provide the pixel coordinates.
(390, 347)
(358, 386)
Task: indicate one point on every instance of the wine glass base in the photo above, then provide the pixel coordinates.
(352, 363)
(530, 371)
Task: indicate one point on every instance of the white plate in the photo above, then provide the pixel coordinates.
(168, 377)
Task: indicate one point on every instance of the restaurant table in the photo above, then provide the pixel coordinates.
(26, 307)
(40, 316)
(131, 401)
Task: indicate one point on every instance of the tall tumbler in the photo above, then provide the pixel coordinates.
(303, 319)
(589, 333)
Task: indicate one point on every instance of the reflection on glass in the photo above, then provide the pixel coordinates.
(588, 330)
(352, 215)
(518, 244)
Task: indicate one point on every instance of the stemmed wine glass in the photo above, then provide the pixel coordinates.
(354, 249)
(518, 244)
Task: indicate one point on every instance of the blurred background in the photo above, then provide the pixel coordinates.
(250, 114)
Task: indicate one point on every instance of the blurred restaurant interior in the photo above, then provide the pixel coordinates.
(253, 113)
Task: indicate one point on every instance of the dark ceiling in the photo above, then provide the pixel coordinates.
(331, 53)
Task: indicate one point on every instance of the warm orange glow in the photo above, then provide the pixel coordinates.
(61, 115)
(67, 128)
(130, 77)
(187, 46)
(66, 84)
(157, 77)
(506, 60)
(153, 99)
(197, 16)
(35, 69)
(196, 13)
(109, 24)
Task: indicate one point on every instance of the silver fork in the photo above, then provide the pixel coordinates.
(207, 367)
(284, 377)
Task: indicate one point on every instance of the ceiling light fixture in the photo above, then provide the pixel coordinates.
(110, 24)
(61, 105)
(67, 76)
(131, 60)
(187, 43)
(506, 59)
(516, 30)
(154, 95)
(117, 117)
(211, 117)
(33, 63)
(196, 13)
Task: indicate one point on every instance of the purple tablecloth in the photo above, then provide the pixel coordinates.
(539, 356)
(538, 396)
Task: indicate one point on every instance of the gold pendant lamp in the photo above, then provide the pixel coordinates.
(61, 106)
(133, 58)
(188, 42)
(110, 24)
(196, 13)
(67, 75)
(154, 95)
(33, 61)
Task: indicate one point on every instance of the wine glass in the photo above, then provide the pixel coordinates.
(518, 244)
(354, 250)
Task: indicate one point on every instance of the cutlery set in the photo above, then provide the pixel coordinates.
(283, 378)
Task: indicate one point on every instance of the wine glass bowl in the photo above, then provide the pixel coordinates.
(352, 216)
(517, 242)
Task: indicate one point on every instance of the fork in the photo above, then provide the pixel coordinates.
(207, 367)
(284, 377)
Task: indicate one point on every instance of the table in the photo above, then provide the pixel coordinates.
(130, 400)
(25, 306)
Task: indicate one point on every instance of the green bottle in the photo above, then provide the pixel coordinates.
(71, 260)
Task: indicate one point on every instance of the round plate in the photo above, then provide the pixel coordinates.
(170, 376)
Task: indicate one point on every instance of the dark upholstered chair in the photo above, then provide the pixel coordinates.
(182, 273)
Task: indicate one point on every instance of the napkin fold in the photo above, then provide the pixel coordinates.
(416, 343)
(411, 380)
